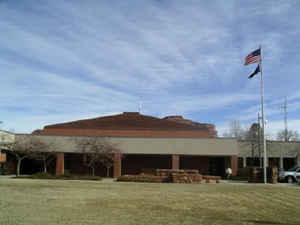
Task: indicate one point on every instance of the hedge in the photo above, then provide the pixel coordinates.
(60, 177)
(143, 178)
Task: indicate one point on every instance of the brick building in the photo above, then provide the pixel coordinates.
(145, 142)
(132, 124)
(280, 154)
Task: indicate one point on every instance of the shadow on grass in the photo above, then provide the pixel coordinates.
(269, 222)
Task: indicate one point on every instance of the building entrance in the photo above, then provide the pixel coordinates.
(217, 166)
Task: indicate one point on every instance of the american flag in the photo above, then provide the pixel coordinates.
(253, 57)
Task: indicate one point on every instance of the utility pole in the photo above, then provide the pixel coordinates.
(284, 107)
(0, 148)
(140, 106)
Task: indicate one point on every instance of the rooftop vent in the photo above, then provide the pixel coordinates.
(131, 113)
(174, 117)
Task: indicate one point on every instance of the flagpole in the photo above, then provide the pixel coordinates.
(263, 117)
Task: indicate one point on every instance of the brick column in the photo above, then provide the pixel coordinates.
(117, 165)
(2, 157)
(281, 163)
(60, 163)
(244, 162)
(234, 164)
(175, 162)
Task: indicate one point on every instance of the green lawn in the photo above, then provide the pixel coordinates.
(32, 202)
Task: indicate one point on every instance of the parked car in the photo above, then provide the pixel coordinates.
(290, 176)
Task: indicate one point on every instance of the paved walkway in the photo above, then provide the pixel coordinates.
(246, 183)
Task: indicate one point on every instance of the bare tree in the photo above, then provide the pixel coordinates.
(97, 150)
(288, 135)
(45, 157)
(30, 147)
(253, 137)
(253, 132)
(107, 158)
(235, 130)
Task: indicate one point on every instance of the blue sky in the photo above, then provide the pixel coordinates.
(68, 60)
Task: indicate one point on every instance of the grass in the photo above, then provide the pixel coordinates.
(32, 202)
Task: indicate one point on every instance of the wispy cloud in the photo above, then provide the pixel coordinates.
(66, 60)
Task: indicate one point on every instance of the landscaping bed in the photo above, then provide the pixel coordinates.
(170, 176)
(59, 177)
(143, 178)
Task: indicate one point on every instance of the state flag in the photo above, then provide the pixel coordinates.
(257, 70)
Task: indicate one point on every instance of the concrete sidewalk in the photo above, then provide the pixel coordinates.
(247, 183)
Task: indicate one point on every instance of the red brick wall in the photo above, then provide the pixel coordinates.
(130, 133)
(74, 164)
(10, 165)
(133, 164)
(200, 163)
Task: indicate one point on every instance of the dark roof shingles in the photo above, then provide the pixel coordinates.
(127, 121)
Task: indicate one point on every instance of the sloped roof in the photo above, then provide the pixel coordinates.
(128, 121)
(180, 119)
